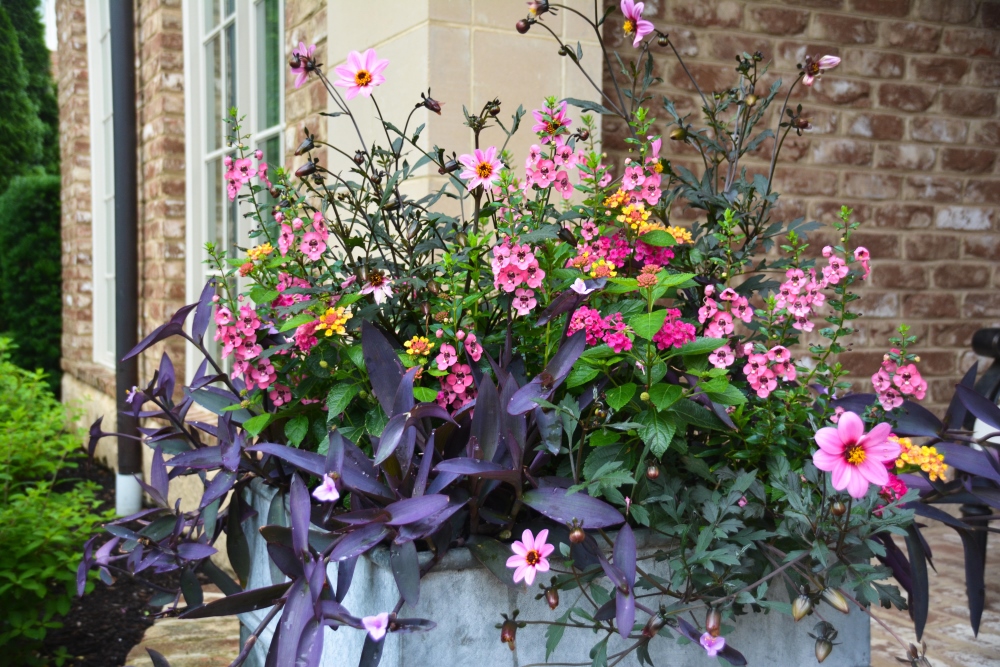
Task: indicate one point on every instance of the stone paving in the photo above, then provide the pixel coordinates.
(214, 642)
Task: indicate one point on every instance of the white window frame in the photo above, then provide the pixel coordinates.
(197, 215)
(102, 183)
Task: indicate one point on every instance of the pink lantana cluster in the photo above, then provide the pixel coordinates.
(241, 170)
(674, 332)
(457, 387)
(718, 317)
(515, 269)
(764, 369)
(599, 329)
(893, 382)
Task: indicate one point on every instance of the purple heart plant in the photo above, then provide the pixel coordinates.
(548, 357)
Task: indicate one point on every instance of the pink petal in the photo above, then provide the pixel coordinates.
(851, 428)
(541, 537)
(352, 92)
(543, 565)
(528, 539)
(842, 474)
(828, 439)
(517, 560)
(518, 548)
(857, 486)
(627, 6)
(377, 80)
(354, 61)
(379, 66)
(874, 471)
(876, 436)
(369, 59)
(638, 8)
(520, 573)
(828, 62)
(887, 451)
(529, 575)
(807, 80)
(825, 460)
(546, 549)
(344, 71)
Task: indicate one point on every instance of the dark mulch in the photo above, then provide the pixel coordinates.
(103, 626)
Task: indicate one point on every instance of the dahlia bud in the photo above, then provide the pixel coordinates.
(751, 100)
(306, 146)
(802, 607)
(433, 287)
(306, 169)
(359, 158)
(294, 60)
(567, 236)
(678, 134)
(653, 626)
(274, 192)
(552, 597)
(836, 600)
(449, 167)
(495, 108)
(583, 134)
(823, 649)
(663, 40)
(838, 509)
(713, 622)
(462, 239)
(508, 633)
(652, 473)
(577, 536)
(522, 26)
(425, 308)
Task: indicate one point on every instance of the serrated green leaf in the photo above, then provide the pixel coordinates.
(618, 397)
(646, 325)
(339, 398)
(425, 394)
(296, 429)
(621, 285)
(255, 425)
(263, 295)
(602, 438)
(297, 321)
(729, 396)
(664, 395)
(581, 374)
(700, 346)
(697, 415)
(657, 431)
(356, 356)
(375, 421)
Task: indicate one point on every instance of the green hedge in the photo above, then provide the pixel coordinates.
(31, 272)
(45, 516)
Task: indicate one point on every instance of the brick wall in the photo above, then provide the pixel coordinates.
(906, 132)
(305, 21)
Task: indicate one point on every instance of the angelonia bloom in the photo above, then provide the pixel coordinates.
(814, 68)
(712, 645)
(361, 73)
(481, 168)
(376, 625)
(856, 459)
(530, 556)
(635, 25)
(327, 491)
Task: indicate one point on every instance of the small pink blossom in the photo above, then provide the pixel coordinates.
(712, 645)
(379, 286)
(459, 378)
(286, 238)
(223, 317)
(856, 459)
(524, 301)
(248, 322)
(473, 348)
(327, 492)
(909, 381)
(530, 556)
(861, 254)
(376, 625)
(361, 73)
(312, 246)
(723, 357)
(562, 185)
(280, 395)
(447, 357)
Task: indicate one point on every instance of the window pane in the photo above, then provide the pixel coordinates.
(213, 76)
(272, 156)
(230, 7)
(269, 65)
(214, 190)
(230, 69)
(211, 14)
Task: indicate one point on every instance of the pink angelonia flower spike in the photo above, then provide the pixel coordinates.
(361, 73)
(530, 556)
(855, 458)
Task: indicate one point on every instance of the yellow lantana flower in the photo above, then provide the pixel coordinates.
(333, 321)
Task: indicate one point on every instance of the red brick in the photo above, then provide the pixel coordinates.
(728, 46)
(957, 335)
(924, 247)
(779, 20)
(986, 73)
(841, 29)
(935, 69)
(899, 276)
(895, 8)
(971, 160)
(874, 64)
(969, 102)
(930, 306)
(875, 126)
(708, 13)
(947, 11)
(953, 276)
(818, 4)
(869, 185)
(964, 218)
(937, 363)
(806, 181)
(991, 14)
(842, 151)
(968, 42)
(982, 304)
(709, 77)
(911, 157)
(912, 37)
(984, 246)
(881, 245)
(906, 97)
(987, 133)
(933, 188)
(983, 192)
(903, 216)
(829, 211)
(943, 130)
(835, 90)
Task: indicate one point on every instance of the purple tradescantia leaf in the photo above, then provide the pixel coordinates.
(358, 542)
(486, 419)
(217, 488)
(915, 421)
(406, 570)
(391, 436)
(427, 527)
(95, 435)
(310, 645)
(158, 475)
(308, 461)
(403, 400)
(206, 458)
(174, 327)
(625, 555)
(298, 505)
(969, 460)
(411, 510)
(544, 385)
(687, 629)
(335, 454)
(732, 656)
(957, 412)
(296, 615)
(564, 302)
(567, 509)
(345, 573)
(980, 406)
(430, 410)
(426, 460)
(239, 603)
(194, 550)
(357, 474)
(477, 468)
(166, 378)
(384, 368)
(408, 625)
(157, 658)
(335, 611)
(203, 313)
(285, 560)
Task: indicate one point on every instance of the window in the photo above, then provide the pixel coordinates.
(102, 181)
(233, 57)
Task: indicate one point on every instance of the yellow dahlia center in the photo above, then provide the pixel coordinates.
(629, 27)
(855, 455)
(484, 170)
(362, 77)
(532, 557)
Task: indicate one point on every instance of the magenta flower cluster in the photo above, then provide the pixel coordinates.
(893, 382)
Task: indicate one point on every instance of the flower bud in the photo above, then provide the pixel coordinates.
(449, 167)
(294, 60)
(425, 308)
(567, 236)
(577, 536)
(653, 626)
(246, 268)
(751, 100)
(823, 649)
(359, 158)
(663, 40)
(644, 396)
(462, 239)
(552, 597)
(323, 363)
(713, 622)
(495, 108)
(306, 169)
(306, 146)
(583, 134)
(652, 473)
(433, 287)
(432, 104)
(838, 509)
(802, 607)
(836, 600)
(678, 134)
(522, 26)
(508, 634)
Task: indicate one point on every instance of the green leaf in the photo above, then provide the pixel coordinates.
(664, 395)
(297, 321)
(263, 295)
(296, 429)
(356, 356)
(587, 105)
(600, 653)
(618, 397)
(675, 279)
(658, 238)
(554, 634)
(348, 299)
(657, 431)
(339, 398)
(602, 438)
(729, 396)
(621, 285)
(425, 394)
(697, 415)
(581, 374)
(255, 425)
(647, 324)
(700, 346)
(375, 421)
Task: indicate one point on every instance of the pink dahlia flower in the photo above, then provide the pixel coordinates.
(855, 458)
(814, 68)
(530, 556)
(635, 24)
(305, 55)
(361, 73)
(481, 168)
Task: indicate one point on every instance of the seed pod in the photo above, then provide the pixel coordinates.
(838, 509)
(678, 134)
(823, 649)
(751, 100)
(836, 600)
(306, 169)
(652, 473)
(577, 536)
(274, 192)
(508, 634)
(432, 105)
(462, 239)
(583, 134)
(449, 167)
(522, 26)
(713, 622)
(433, 287)
(663, 40)
(552, 597)
(495, 108)
(359, 158)
(425, 308)
(801, 607)
(653, 626)
(306, 146)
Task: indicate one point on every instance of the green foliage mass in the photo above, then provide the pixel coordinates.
(45, 517)
(21, 129)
